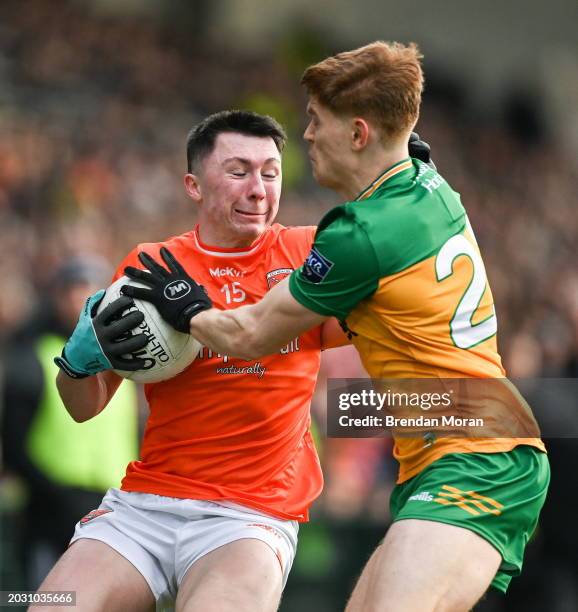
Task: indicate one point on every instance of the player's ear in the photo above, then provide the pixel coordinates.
(359, 133)
(193, 187)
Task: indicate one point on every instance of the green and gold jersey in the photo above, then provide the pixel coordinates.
(400, 265)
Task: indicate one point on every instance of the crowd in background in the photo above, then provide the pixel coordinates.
(94, 113)
(93, 119)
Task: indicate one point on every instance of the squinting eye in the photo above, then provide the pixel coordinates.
(238, 173)
(269, 176)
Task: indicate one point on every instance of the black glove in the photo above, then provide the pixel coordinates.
(102, 341)
(420, 149)
(177, 296)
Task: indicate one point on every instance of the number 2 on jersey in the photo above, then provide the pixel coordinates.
(233, 293)
(463, 332)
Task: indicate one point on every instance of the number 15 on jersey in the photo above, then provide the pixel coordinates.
(233, 292)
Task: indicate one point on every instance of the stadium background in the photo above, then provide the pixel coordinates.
(96, 97)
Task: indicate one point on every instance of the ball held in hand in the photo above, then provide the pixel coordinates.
(167, 353)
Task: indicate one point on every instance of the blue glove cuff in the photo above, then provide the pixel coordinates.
(82, 354)
(67, 368)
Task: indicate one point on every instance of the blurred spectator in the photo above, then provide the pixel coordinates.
(65, 466)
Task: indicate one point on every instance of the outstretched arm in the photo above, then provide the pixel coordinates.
(263, 328)
(260, 329)
(247, 332)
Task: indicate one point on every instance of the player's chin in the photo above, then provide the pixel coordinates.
(319, 176)
(251, 229)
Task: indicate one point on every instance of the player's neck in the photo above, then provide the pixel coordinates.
(367, 166)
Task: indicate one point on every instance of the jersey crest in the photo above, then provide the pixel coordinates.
(276, 276)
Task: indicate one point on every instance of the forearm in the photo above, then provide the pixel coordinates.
(247, 332)
(84, 398)
(250, 332)
(231, 332)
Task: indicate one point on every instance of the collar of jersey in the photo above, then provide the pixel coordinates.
(229, 252)
(385, 176)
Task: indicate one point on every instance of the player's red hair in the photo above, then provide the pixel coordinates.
(381, 81)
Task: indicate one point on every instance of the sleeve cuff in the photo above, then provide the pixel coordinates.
(310, 303)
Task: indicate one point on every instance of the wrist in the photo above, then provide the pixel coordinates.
(184, 321)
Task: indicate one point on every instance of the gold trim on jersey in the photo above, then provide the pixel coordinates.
(382, 178)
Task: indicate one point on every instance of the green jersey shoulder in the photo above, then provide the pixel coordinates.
(404, 217)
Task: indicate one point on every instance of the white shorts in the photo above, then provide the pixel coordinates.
(163, 536)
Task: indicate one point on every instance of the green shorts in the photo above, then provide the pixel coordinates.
(496, 495)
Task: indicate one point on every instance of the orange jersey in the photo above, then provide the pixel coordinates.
(227, 428)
